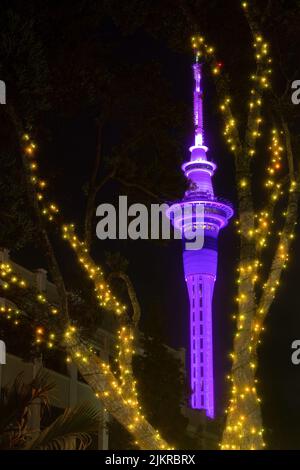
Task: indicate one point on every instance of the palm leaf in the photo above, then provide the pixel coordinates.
(18, 396)
(75, 423)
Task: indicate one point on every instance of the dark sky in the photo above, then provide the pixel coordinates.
(156, 270)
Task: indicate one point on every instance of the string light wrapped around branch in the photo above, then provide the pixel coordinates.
(202, 49)
(124, 386)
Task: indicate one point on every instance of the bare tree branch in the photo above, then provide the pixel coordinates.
(137, 186)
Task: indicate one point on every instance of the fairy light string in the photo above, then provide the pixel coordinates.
(112, 389)
(241, 431)
(124, 386)
(260, 82)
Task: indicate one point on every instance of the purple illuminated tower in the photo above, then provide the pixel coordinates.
(200, 266)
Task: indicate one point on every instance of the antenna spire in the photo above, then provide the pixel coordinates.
(198, 105)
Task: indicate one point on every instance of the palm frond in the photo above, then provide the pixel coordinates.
(18, 396)
(75, 423)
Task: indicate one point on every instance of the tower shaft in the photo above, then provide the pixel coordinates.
(200, 288)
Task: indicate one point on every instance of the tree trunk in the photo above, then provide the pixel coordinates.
(243, 428)
(105, 385)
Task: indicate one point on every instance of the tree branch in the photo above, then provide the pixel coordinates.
(280, 257)
(137, 186)
(285, 239)
(44, 238)
(127, 336)
(254, 114)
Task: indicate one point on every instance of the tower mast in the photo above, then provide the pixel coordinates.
(198, 105)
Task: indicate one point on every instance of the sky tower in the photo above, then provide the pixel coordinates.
(200, 266)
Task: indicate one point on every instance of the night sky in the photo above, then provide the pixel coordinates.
(156, 269)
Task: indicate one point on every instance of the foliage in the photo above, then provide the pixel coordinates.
(76, 423)
(15, 431)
